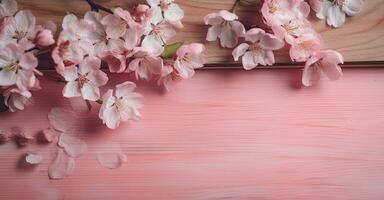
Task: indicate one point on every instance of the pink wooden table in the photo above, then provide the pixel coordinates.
(227, 134)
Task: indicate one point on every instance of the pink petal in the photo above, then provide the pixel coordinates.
(33, 158)
(45, 38)
(5, 136)
(239, 51)
(98, 78)
(111, 160)
(213, 19)
(9, 6)
(254, 35)
(213, 32)
(311, 74)
(330, 65)
(22, 138)
(62, 119)
(228, 37)
(73, 146)
(89, 64)
(124, 89)
(271, 42)
(70, 73)
(238, 27)
(48, 135)
(25, 21)
(62, 166)
(111, 118)
(226, 15)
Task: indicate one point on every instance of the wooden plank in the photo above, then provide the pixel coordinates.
(360, 39)
(225, 134)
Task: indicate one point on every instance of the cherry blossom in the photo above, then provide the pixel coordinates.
(7, 8)
(17, 67)
(258, 50)
(144, 64)
(165, 10)
(326, 62)
(157, 36)
(225, 26)
(335, 11)
(292, 29)
(189, 57)
(16, 99)
(120, 105)
(303, 47)
(84, 80)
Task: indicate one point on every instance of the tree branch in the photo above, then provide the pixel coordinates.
(97, 7)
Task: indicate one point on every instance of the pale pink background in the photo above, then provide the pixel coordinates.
(227, 134)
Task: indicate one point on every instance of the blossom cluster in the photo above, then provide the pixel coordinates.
(136, 42)
(287, 24)
(20, 39)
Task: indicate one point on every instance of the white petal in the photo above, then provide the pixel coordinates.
(336, 17)
(90, 92)
(173, 13)
(248, 61)
(239, 51)
(213, 32)
(352, 7)
(7, 77)
(71, 89)
(62, 166)
(228, 38)
(111, 118)
(70, 73)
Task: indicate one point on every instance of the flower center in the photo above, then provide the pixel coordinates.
(292, 28)
(255, 48)
(306, 45)
(120, 105)
(339, 2)
(12, 67)
(19, 35)
(82, 80)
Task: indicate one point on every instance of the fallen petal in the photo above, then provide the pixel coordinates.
(62, 166)
(73, 146)
(62, 119)
(22, 138)
(48, 135)
(33, 158)
(5, 136)
(111, 160)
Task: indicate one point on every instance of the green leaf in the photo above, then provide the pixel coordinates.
(171, 49)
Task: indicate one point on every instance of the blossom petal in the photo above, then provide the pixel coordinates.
(213, 32)
(173, 13)
(62, 166)
(239, 51)
(70, 73)
(111, 118)
(311, 75)
(28, 61)
(124, 89)
(157, 15)
(71, 89)
(7, 77)
(73, 146)
(228, 38)
(248, 61)
(336, 17)
(271, 42)
(352, 7)
(90, 92)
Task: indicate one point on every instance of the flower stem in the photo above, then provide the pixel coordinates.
(42, 52)
(99, 101)
(235, 5)
(55, 78)
(97, 7)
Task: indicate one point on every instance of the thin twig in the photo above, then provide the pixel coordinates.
(96, 7)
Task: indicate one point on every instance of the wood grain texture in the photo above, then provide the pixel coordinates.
(360, 39)
(222, 135)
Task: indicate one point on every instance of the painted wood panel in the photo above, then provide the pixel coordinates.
(360, 39)
(225, 134)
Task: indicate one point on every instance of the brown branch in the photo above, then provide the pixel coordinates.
(97, 7)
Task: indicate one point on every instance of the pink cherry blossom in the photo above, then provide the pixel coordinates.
(45, 38)
(118, 23)
(277, 12)
(315, 5)
(225, 26)
(73, 43)
(85, 80)
(165, 10)
(326, 62)
(16, 99)
(17, 67)
(142, 14)
(188, 58)
(336, 11)
(292, 29)
(258, 50)
(7, 8)
(304, 46)
(21, 29)
(121, 105)
(157, 36)
(144, 64)
(168, 76)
